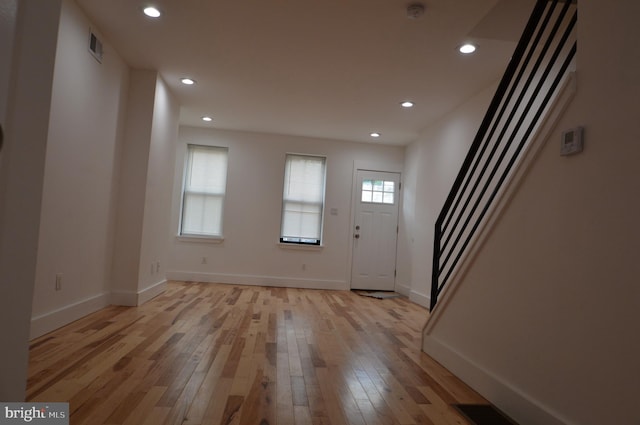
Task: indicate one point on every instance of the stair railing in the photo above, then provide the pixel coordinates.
(536, 69)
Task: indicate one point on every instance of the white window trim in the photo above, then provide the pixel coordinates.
(298, 245)
(301, 246)
(200, 239)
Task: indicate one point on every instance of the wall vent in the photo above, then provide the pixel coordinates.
(95, 46)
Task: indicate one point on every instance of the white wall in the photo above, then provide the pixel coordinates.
(133, 186)
(431, 166)
(251, 224)
(21, 178)
(146, 183)
(78, 217)
(158, 195)
(545, 323)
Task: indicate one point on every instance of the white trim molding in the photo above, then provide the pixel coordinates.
(55, 319)
(403, 289)
(133, 299)
(512, 401)
(420, 298)
(151, 291)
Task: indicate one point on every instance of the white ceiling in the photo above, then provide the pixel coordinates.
(333, 69)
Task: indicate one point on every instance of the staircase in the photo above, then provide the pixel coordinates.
(524, 96)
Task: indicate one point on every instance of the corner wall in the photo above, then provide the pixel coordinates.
(431, 166)
(132, 187)
(146, 180)
(102, 209)
(21, 178)
(77, 218)
(545, 322)
(157, 201)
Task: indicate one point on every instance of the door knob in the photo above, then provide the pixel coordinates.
(357, 236)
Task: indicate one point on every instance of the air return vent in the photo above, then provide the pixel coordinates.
(95, 46)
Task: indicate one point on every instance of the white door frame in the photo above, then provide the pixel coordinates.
(355, 192)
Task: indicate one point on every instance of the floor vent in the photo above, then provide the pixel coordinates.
(483, 414)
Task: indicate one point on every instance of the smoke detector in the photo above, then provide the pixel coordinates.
(415, 11)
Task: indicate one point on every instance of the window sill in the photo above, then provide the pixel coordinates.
(296, 246)
(200, 239)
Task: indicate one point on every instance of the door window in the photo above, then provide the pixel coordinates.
(378, 191)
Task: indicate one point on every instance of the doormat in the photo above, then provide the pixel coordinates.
(379, 295)
(483, 414)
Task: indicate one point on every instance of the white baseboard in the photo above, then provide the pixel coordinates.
(124, 298)
(414, 296)
(237, 279)
(53, 320)
(519, 406)
(151, 291)
(420, 299)
(403, 289)
(132, 299)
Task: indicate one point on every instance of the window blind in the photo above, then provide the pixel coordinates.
(204, 191)
(303, 199)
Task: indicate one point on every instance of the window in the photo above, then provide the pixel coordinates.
(378, 191)
(303, 199)
(205, 180)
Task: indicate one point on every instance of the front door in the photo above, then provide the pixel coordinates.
(375, 230)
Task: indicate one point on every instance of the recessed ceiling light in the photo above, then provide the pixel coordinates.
(188, 81)
(467, 48)
(207, 119)
(375, 135)
(152, 12)
(407, 104)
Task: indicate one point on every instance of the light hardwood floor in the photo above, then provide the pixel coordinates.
(206, 353)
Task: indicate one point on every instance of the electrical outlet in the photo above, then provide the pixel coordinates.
(58, 282)
(157, 266)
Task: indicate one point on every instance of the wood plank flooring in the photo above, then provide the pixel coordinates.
(205, 353)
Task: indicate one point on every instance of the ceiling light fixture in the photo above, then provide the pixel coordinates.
(188, 81)
(207, 119)
(467, 48)
(151, 12)
(375, 135)
(407, 104)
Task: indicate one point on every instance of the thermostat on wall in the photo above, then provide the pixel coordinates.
(572, 142)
